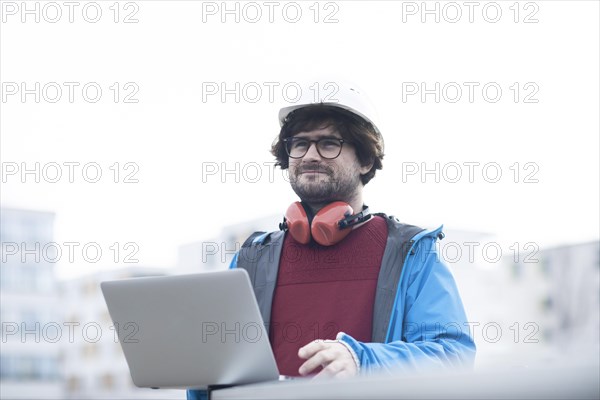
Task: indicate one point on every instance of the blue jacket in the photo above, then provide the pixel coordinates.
(428, 327)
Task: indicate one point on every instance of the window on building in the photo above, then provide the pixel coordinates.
(49, 368)
(74, 318)
(4, 230)
(545, 266)
(517, 271)
(73, 384)
(89, 288)
(45, 278)
(107, 381)
(26, 369)
(30, 327)
(35, 230)
(89, 350)
(26, 278)
(7, 280)
(6, 367)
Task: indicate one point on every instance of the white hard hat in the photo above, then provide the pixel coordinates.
(343, 95)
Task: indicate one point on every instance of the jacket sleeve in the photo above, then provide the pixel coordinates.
(233, 263)
(197, 395)
(429, 327)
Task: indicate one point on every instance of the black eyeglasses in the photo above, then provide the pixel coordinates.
(327, 147)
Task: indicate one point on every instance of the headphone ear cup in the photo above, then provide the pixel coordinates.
(325, 229)
(297, 223)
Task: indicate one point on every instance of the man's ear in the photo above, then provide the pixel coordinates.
(364, 169)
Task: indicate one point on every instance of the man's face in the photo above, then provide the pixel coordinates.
(319, 180)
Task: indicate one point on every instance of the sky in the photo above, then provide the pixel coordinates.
(150, 122)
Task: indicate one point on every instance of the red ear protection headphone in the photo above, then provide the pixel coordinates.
(328, 227)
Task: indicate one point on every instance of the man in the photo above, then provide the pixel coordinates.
(343, 291)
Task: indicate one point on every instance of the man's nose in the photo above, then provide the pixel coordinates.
(312, 153)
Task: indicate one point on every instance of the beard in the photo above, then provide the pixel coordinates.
(323, 183)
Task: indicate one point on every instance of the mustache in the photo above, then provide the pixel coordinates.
(314, 168)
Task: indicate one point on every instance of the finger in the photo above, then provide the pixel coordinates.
(311, 364)
(311, 349)
(331, 370)
(322, 358)
(323, 375)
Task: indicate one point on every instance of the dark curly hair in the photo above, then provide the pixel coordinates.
(360, 133)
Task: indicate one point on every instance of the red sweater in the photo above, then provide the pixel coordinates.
(323, 290)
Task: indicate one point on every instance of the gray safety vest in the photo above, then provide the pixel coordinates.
(261, 260)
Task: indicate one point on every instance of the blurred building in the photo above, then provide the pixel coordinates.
(58, 340)
(93, 362)
(573, 299)
(547, 302)
(502, 312)
(217, 253)
(29, 307)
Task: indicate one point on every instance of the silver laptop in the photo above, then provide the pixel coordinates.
(191, 331)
